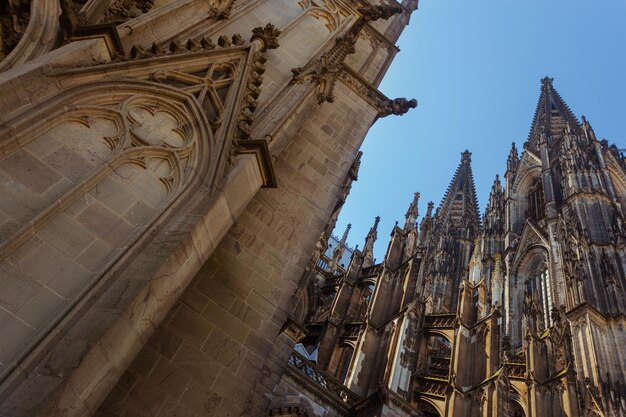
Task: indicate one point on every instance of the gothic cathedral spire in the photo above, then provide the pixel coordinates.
(368, 248)
(460, 203)
(553, 117)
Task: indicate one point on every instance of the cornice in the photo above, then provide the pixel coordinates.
(585, 307)
(363, 88)
(259, 148)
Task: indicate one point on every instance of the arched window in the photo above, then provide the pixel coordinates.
(344, 363)
(439, 355)
(427, 409)
(540, 287)
(536, 201)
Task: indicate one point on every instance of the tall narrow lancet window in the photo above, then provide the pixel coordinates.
(344, 364)
(541, 289)
(536, 201)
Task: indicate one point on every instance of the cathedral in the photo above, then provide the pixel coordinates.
(171, 174)
(519, 313)
(166, 169)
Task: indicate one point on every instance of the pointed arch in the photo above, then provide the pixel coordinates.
(531, 273)
(38, 37)
(99, 169)
(429, 407)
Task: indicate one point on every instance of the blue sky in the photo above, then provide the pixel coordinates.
(475, 69)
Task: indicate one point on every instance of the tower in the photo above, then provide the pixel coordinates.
(518, 315)
(167, 168)
(455, 227)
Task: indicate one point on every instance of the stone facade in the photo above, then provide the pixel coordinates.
(519, 314)
(167, 167)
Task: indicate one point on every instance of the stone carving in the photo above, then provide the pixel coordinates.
(176, 48)
(328, 10)
(397, 107)
(106, 156)
(221, 9)
(68, 21)
(324, 70)
(376, 12)
(210, 86)
(267, 37)
(123, 10)
(14, 16)
(360, 86)
(354, 168)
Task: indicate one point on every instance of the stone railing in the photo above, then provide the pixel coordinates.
(440, 320)
(517, 370)
(330, 385)
(431, 386)
(372, 270)
(352, 330)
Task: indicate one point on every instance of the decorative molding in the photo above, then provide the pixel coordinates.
(292, 329)
(397, 106)
(126, 10)
(106, 31)
(324, 70)
(36, 38)
(363, 88)
(267, 38)
(261, 151)
(13, 24)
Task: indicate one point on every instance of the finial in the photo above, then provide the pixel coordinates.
(466, 156)
(412, 212)
(345, 234)
(429, 209)
(376, 221)
(356, 164)
(546, 81)
(268, 36)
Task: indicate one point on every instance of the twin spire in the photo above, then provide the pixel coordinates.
(552, 118)
(368, 249)
(411, 214)
(460, 200)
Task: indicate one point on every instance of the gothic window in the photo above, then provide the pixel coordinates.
(368, 291)
(322, 263)
(94, 178)
(426, 409)
(516, 410)
(439, 354)
(540, 287)
(343, 364)
(536, 202)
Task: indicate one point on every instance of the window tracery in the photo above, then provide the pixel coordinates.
(540, 287)
(102, 168)
(536, 201)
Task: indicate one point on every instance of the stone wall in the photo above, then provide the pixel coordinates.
(228, 321)
(130, 211)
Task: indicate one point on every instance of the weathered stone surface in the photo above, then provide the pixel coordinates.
(143, 270)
